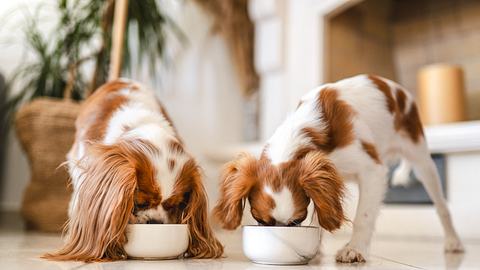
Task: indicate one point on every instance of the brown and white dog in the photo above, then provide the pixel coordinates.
(348, 130)
(128, 165)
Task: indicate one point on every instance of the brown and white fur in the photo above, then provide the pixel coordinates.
(128, 165)
(348, 130)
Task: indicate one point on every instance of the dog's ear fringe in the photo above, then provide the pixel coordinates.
(323, 184)
(238, 178)
(203, 243)
(95, 231)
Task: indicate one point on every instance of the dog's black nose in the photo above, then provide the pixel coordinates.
(153, 221)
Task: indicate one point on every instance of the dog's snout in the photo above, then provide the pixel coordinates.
(153, 221)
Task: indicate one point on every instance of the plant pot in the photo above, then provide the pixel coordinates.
(46, 130)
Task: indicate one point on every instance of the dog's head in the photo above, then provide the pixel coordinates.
(279, 194)
(119, 185)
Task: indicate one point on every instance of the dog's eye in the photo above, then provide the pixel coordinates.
(142, 206)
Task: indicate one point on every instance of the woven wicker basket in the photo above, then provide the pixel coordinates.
(46, 129)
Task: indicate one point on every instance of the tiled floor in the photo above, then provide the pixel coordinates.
(20, 250)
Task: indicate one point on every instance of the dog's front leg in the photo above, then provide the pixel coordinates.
(372, 186)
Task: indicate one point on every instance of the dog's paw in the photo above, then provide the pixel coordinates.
(453, 245)
(350, 255)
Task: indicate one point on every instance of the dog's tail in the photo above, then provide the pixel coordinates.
(401, 175)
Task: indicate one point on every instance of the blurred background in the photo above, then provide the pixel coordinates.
(228, 73)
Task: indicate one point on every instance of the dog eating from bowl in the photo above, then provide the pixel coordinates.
(350, 130)
(128, 165)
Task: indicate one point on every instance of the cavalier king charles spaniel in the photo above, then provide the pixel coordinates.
(128, 165)
(348, 130)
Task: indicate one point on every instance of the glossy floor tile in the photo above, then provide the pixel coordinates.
(21, 250)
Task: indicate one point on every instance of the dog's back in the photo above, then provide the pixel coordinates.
(366, 109)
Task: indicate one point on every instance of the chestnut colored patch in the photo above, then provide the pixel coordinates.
(318, 137)
(176, 147)
(401, 100)
(371, 151)
(98, 126)
(290, 172)
(99, 108)
(268, 174)
(171, 164)
(116, 85)
(302, 152)
(383, 86)
(337, 115)
(410, 123)
(262, 205)
(147, 194)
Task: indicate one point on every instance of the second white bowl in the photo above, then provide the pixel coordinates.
(156, 241)
(280, 245)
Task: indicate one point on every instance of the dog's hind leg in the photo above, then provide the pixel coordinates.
(425, 170)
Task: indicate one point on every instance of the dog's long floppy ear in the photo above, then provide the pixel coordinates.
(322, 183)
(101, 205)
(189, 204)
(238, 178)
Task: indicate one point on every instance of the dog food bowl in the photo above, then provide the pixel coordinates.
(281, 245)
(156, 241)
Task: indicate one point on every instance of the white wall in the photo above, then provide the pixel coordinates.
(201, 91)
(15, 173)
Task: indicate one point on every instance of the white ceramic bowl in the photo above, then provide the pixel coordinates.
(156, 241)
(281, 245)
